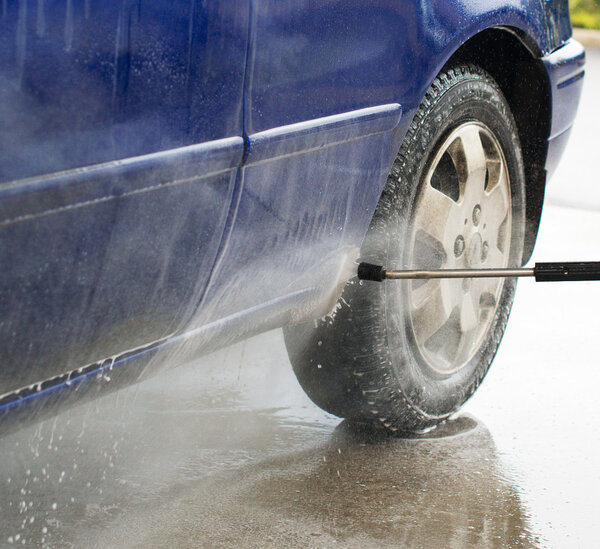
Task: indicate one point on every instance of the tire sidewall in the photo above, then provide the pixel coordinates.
(473, 98)
(359, 362)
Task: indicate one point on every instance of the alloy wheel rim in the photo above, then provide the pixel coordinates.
(462, 219)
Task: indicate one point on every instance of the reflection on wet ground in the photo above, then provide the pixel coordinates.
(230, 453)
(361, 490)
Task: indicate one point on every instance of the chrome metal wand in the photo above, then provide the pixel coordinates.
(543, 272)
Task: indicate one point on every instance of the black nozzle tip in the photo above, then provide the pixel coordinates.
(368, 271)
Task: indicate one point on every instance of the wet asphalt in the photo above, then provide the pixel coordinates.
(228, 452)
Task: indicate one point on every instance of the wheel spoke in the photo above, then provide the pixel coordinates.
(495, 205)
(435, 208)
(423, 291)
(495, 259)
(469, 312)
(486, 291)
(430, 317)
(464, 348)
(470, 158)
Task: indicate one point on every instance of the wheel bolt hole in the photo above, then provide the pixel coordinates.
(459, 246)
(485, 251)
(476, 215)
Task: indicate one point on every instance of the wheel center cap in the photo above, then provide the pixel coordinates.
(475, 251)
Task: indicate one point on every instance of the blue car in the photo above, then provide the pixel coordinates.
(178, 175)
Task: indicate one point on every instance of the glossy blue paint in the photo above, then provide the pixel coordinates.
(85, 82)
(304, 137)
(565, 68)
(325, 211)
(178, 175)
(121, 251)
(342, 56)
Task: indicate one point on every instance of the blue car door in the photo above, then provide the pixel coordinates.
(322, 120)
(120, 145)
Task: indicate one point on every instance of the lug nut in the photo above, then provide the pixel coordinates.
(459, 246)
(476, 215)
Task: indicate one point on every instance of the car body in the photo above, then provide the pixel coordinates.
(176, 176)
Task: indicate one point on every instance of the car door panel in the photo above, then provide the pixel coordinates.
(120, 150)
(303, 207)
(95, 275)
(323, 128)
(90, 82)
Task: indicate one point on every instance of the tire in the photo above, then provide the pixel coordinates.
(409, 354)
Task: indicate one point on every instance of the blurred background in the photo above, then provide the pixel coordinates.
(585, 13)
(230, 452)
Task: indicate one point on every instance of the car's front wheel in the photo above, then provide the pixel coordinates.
(408, 354)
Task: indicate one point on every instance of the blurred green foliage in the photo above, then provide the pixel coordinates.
(585, 13)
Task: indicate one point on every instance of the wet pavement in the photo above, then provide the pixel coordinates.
(238, 456)
(228, 452)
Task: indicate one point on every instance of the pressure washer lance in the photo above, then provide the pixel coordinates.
(543, 272)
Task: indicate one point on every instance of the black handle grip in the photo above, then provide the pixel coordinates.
(368, 271)
(559, 272)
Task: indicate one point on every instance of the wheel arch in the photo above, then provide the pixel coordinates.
(513, 59)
